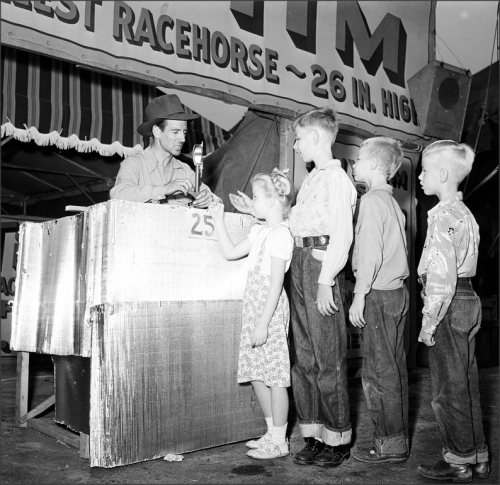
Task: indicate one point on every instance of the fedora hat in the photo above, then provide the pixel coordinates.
(166, 107)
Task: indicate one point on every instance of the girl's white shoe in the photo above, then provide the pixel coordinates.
(270, 451)
(254, 444)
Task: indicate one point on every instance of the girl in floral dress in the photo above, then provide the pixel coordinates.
(264, 359)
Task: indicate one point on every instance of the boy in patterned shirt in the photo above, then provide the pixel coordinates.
(452, 315)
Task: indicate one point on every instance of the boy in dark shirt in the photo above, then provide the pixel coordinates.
(380, 264)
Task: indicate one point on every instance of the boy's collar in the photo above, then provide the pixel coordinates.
(330, 163)
(382, 187)
(456, 197)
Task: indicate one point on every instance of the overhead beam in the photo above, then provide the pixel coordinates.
(7, 140)
(13, 193)
(68, 192)
(8, 166)
(80, 166)
(43, 182)
(81, 189)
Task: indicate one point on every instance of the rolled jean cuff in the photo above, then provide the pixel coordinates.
(337, 437)
(311, 430)
(459, 459)
(395, 444)
(482, 455)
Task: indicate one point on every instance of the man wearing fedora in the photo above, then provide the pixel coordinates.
(154, 175)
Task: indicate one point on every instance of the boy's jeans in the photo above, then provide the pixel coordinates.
(454, 379)
(384, 374)
(319, 373)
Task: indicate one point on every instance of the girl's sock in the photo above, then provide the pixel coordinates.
(269, 422)
(279, 434)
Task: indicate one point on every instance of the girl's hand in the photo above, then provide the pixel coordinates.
(325, 301)
(216, 210)
(241, 202)
(259, 335)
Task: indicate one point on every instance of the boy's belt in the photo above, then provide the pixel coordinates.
(311, 241)
(423, 279)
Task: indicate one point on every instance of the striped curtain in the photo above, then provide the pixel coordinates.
(53, 102)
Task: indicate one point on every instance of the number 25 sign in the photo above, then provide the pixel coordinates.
(200, 224)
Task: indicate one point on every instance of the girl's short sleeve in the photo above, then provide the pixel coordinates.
(254, 231)
(281, 243)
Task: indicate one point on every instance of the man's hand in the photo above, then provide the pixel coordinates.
(357, 310)
(179, 185)
(426, 338)
(325, 301)
(241, 202)
(202, 199)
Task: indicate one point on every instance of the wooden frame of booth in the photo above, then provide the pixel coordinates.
(27, 418)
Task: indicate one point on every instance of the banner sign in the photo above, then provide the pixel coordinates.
(288, 56)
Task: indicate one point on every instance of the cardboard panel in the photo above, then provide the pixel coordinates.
(164, 380)
(116, 251)
(49, 304)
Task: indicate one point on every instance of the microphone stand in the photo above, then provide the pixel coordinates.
(198, 163)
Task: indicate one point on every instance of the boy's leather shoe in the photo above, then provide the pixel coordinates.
(332, 455)
(447, 471)
(309, 452)
(481, 470)
(369, 455)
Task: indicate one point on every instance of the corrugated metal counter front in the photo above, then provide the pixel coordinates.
(143, 291)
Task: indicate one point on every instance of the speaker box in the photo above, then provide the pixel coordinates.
(440, 93)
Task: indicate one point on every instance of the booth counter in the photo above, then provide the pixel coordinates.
(142, 291)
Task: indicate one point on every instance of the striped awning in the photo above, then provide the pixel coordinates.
(53, 102)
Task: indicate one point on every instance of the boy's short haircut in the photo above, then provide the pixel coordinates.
(387, 152)
(325, 118)
(459, 155)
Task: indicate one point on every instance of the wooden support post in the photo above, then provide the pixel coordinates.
(52, 429)
(84, 446)
(46, 426)
(38, 409)
(23, 361)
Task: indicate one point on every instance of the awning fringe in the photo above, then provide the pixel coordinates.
(64, 143)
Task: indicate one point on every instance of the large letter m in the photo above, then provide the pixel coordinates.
(387, 45)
